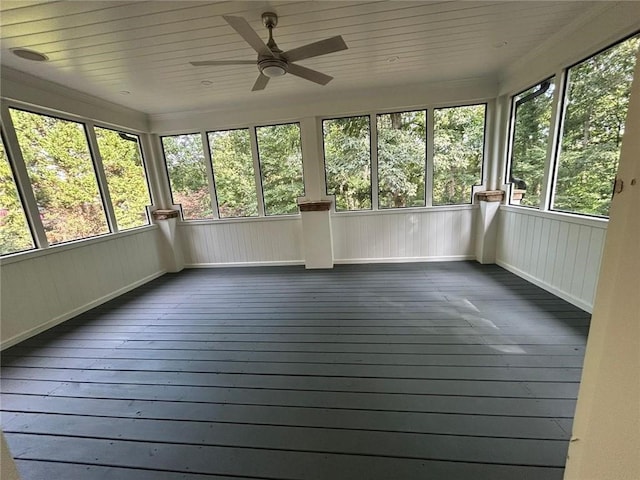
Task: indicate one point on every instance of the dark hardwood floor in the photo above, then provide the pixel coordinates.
(413, 371)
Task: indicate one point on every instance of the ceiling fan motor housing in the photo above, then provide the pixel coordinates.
(272, 66)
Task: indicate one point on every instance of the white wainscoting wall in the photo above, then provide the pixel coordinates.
(412, 235)
(43, 288)
(558, 252)
(246, 242)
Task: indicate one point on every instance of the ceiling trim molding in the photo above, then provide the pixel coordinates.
(28, 89)
(599, 27)
(349, 102)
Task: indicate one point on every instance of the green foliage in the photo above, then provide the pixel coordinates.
(458, 152)
(595, 112)
(184, 157)
(401, 159)
(347, 159)
(126, 178)
(57, 158)
(530, 142)
(233, 173)
(14, 230)
(281, 167)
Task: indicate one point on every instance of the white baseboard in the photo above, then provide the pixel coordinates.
(578, 302)
(245, 264)
(449, 258)
(77, 311)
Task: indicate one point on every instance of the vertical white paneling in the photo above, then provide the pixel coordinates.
(541, 259)
(246, 242)
(43, 288)
(561, 250)
(570, 257)
(558, 252)
(551, 255)
(594, 256)
(413, 235)
(579, 267)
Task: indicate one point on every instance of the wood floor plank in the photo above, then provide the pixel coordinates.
(269, 463)
(431, 371)
(460, 448)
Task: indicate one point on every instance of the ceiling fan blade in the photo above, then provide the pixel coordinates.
(222, 62)
(308, 74)
(261, 82)
(330, 45)
(250, 36)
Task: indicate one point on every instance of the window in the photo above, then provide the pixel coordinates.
(401, 159)
(233, 173)
(56, 155)
(531, 127)
(595, 110)
(458, 153)
(15, 235)
(126, 178)
(184, 158)
(347, 161)
(281, 167)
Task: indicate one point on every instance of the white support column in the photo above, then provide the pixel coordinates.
(173, 256)
(497, 139)
(605, 442)
(312, 159)
(317, 245)
(487, 225)
(162, 214)
(315, 206)
(154, 160)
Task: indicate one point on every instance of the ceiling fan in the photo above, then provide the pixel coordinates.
(273, 62)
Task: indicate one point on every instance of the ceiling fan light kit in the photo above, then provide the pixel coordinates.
(273, 62)
(272, 67)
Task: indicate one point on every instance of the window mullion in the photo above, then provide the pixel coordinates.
(23, 181)
(253, 137)
(553, 147)
(208, 165)
(100, 176)
(373, 152)
(428, 189)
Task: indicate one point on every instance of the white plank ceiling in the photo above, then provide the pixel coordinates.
(104, 48)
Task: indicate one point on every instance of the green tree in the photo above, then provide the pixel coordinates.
(126, 178)
(15, 235)
(596, 104)
(184, 157)
(233, 173)
(401, 159)
(281, 167)
(347, 160)
(458, 153)
(59, 164)
(531, 139)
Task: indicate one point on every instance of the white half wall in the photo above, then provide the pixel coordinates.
(46, 287)
(558, 252)
(246, 242)
(442, 233)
